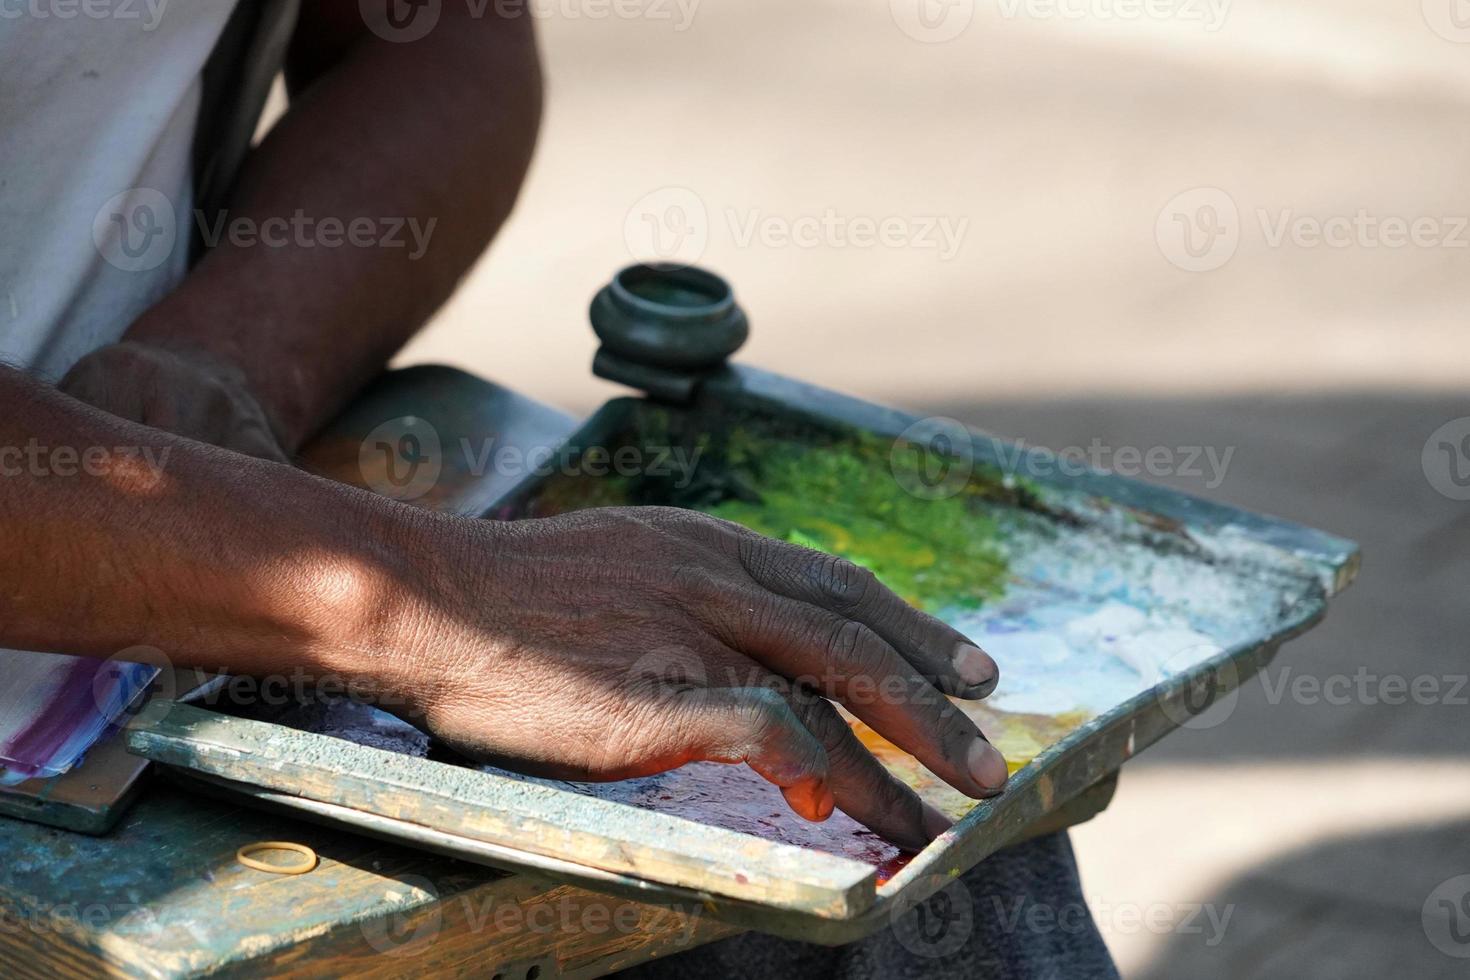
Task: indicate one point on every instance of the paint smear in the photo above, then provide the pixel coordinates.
(1081, 612)
(54, 708)
(1081, 615)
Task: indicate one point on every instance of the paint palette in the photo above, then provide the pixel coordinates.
(53, 709)
(1117, 611)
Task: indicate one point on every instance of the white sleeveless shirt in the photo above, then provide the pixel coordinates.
(98, 103)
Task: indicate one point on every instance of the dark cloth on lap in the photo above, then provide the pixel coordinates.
(1019, 915)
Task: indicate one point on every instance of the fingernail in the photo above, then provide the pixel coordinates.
(975, 666)
(935, 823)
(987, 765)
(826, 803)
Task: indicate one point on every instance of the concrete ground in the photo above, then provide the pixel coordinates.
(1238, 226)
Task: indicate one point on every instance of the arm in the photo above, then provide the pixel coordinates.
(436, 133)
(603, 644)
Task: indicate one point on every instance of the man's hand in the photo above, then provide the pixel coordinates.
(619, 642)
(189, 393)
(600, 644)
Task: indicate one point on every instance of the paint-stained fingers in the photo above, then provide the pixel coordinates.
(943, 655)
(864, 790)
(846, 661)
(758, 727)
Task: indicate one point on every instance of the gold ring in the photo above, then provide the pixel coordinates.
(307, 864)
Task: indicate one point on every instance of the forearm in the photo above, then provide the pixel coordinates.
(118, 535)
(424, 144)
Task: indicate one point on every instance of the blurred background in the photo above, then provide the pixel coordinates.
(1192, 224)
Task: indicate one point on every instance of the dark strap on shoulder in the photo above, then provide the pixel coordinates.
(236, 81)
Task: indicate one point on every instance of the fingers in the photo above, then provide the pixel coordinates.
(757, 726)
(848, 662)
(862, 787)
(798, 741)
(943, 655)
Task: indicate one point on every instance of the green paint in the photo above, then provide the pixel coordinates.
(840, 492)
(845, 498)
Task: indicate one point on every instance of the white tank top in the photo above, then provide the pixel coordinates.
(98, 103)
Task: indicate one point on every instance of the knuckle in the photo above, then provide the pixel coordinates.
(676, 520)
(668, 671)
(763, 714)
(894, 797)
(858, 651)
(845, 583)
(692, 580)
(758, 555)
(823, 721)
(951, 725)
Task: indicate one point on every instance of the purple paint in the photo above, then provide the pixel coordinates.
(54, 708)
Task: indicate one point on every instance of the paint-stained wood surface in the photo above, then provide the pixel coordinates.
(163, 896)
(527, 817)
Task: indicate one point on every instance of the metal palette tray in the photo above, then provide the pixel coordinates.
(1096, 573)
